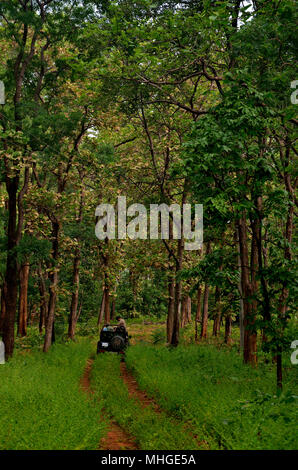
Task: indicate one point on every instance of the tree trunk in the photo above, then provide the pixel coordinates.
(178, 283)
(43, 300)
(205, 312)
(183, 312)
(188, 309)
(23, 299)
(113, 307)
(228, 329)
(73, 316)
(53, 276)
(2, 313)
(279, 368)
(205, 302)
(102, 309)
(107, 305)
(216, 324)
(178, 289)
(198, 312)
(250, 335)
(11, 275)
(241, 311)
(106, 301)
(216, 321)
(171, 307)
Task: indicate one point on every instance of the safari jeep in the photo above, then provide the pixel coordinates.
(113, 339)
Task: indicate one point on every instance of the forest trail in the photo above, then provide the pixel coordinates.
(135, 391)
(116, 438)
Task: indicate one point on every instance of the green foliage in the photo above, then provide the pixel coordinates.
(230, 405)
(149, 300)
(41, 404)
(158, 336)
(33, 340)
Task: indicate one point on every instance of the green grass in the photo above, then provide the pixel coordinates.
(229, 404)
(153, 431)
(41, 404)
(204, 388)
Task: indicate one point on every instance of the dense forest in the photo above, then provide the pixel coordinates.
(164, 102)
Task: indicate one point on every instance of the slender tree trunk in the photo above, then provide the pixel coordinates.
(241, 311)
(102, 309)
(261, 253)
(228, 329)
(199, 307)
(178, 289)
(279, 368)
(183, 311)
(133, 283)
(171, 295)
(53, 276)
(198, 312)
(171, 307)
(2, 313)
(205, 302)
(188, 309)
(23, 299)
(11, 275)
(43, 300)
(32, 313)
(216, 324)
(178, 283)
(205, 312)
(73, 316)
(107, 305)
(250, 335)
(106, 301)
(216, 321)
(113, 307)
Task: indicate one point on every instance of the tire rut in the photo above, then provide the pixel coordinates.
(116, 438)
(135, 392)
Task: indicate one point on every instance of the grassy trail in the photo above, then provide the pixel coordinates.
(116, 438)
(202, 394)
(131, 410)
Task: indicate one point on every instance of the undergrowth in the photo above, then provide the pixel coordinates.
(41, 404)
(229, 404)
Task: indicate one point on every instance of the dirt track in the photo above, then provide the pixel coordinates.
(116, 438)
(135, 391)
